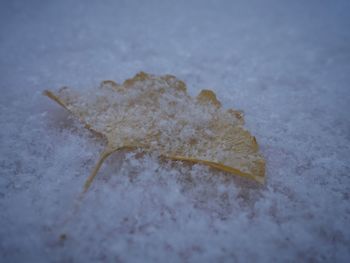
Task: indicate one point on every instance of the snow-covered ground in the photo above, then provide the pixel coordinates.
(286, 64)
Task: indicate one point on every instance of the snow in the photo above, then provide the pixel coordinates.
(286, 64)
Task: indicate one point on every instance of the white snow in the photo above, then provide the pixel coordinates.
(286, 64)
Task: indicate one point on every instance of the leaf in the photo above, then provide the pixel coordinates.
(157, 115)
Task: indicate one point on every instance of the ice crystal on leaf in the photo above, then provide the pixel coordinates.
(155, 114)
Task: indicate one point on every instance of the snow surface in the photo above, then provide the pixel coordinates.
(285, 63)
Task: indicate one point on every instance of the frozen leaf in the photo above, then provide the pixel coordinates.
(157, 115)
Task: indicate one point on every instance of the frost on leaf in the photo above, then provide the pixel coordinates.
(155, 114)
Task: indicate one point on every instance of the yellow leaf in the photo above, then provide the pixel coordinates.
(156, 114)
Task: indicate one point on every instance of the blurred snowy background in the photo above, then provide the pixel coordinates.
(286, 64)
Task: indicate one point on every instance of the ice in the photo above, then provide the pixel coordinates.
(286, 64)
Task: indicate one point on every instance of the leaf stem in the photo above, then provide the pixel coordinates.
(106, 152)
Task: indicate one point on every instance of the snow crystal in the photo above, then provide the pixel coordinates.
(285, 63)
